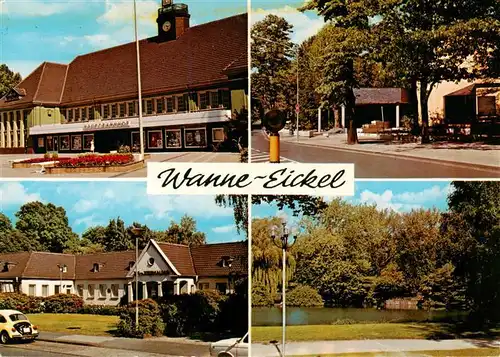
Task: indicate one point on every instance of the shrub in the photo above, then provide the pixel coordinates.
(124, 149)
(46, 155)
(63, 304)
(304, 296)
(150, 323)
(233, 316)
(261, 297)
(101, 310)
(97, 160)
(21, 302)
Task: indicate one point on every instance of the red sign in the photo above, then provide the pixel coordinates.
(297, 108)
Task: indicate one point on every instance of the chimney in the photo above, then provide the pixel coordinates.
(173, 21)
(181, 24)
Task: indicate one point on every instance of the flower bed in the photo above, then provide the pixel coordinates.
(93, 160)
(44, 159)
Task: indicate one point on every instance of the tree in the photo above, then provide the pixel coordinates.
(117, 238)
(271, 52)
(11, 240)
(185, 232)
(46, 226)
(95, 235)
(343, 40)
(8, 79)
(473, 227)
(428, 41)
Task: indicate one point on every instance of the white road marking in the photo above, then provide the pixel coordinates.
(261, 157)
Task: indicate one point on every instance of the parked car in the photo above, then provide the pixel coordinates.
(14, 325)
(231, 347)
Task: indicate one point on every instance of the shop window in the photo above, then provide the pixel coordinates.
(77, 114)
(160, 105)
(76, 142)
(122, 110)
(136, 145)
(105, 111)
(218, 135)
(90, 291)
(170, 105)
(64, 143)
(114, 110)
(131, 109)
(173, 138)
(87, 141)
(203, 101)
(195, 138)
(69, 115)
(155, 140)
(41, 142)
(149, 106)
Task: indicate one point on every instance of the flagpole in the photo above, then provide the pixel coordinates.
(141, 136)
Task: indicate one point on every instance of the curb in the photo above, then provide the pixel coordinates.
(77, 343)
(449, 162)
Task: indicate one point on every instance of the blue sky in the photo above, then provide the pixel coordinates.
(33, 31)
(95, 203)
(305, 24)
(400, 196)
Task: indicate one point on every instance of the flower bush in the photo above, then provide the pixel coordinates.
(21, 302)
(63, 303)
(44, 159)
(91, 160)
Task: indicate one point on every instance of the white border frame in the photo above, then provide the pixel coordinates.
(59, 147)
(195, 147)
(81, 143)
(213, 136)
(166, 141)
(162, 140)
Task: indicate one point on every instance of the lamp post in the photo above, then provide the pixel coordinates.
(282, 241)
(296, 48)
(141, 137)
(137, 232)
(62, 269)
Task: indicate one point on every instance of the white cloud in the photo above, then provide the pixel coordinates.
(122, 12)
(303, 26)
(428, 195)
(28, 8)
(14, 193)
(224, 229)
(387, 200)
(84, 205)
(23, 67)
(88, 221)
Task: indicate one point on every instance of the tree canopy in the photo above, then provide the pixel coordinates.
(8, 79)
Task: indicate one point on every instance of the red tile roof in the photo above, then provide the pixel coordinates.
(200, 57)
(114, 265)
(17, 263)
(379, 96)
(208, 258)
(466, 91)
(180, 256)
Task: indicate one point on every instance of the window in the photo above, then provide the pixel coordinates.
(203, 101)
(224, 98)
(70, 115)
(3, 320)
(98, 110)
(193, 101)
(68, 289)
(160, 105)
(32, 290)
(91, 113)
(151, 261)
(131, 109)
(204, 286)
(182, 103)
(122, 109)
(105, 112)
(79, 290)
(170, 105)
(57, 289)
(84, 114)
(486, 106)
(214, 99)
(114, 291)
(217, 134)
(90, 291)
(222, 287)
(77, 114)
(95, 268)
(149, 106)
(102, 291)
(155, 139)
(114, 110)
(45, 290)
(25, 115)
(195, 138)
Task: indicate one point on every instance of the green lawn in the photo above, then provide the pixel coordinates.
(363, 332)
(75, 323)
(473, 352)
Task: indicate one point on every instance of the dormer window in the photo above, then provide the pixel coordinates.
(15, 94)
(130, 265)
(96, 267)
(227, 262)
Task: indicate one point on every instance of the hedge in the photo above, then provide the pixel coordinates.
(150, 322)
(304, 296)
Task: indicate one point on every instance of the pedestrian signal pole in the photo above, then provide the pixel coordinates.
(274, 121)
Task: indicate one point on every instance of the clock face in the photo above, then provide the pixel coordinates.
(166, 26)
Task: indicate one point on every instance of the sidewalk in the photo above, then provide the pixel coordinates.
(477, 154)
(160, 345)
(332, 347)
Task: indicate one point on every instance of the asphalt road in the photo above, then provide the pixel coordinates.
(19, 350)
(373, 165)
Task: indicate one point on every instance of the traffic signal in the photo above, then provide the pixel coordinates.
(274, 120)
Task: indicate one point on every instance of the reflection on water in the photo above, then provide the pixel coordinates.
(328, 316)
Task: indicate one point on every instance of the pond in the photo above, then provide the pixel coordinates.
(328, 316)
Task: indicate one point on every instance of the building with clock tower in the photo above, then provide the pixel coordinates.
(194, 80)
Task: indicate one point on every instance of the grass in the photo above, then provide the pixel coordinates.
(76, 323)
(473, 352)
(367, 331)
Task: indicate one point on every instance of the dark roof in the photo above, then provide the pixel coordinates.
(207, 258)
(203, 55)
(180, 256)
(37, 265)
(365, 96)
(466, 91)
(17, 263)
(114, 265)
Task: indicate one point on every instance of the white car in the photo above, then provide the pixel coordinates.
(232, 347)
(14, 325)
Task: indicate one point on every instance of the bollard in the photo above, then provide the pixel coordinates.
(274, 148)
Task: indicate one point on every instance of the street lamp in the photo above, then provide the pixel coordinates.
(137, 232)
(62, 269)
(282, 241)
(141, 137)
(296, 48)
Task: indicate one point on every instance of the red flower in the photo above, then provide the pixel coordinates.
(97, 160)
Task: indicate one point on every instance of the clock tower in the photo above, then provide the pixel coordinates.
(173, 20)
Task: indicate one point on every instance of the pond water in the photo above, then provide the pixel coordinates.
(328, 316)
